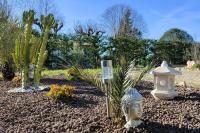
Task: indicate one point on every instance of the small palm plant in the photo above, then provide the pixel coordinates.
(123, 79)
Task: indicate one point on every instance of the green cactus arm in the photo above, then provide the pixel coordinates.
(40, 63)
(16, 55)
(47, 23)
(36, 44)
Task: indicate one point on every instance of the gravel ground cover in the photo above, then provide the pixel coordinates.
(86, 111)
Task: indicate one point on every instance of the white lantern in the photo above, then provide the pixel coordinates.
(132, 107)
(164, 78)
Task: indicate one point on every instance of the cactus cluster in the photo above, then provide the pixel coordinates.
(30, 50)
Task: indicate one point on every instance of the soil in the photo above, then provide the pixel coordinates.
(86, 111)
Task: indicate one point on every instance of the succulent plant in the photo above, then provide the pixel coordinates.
(23, 46)
(47, 23)
(30, 50)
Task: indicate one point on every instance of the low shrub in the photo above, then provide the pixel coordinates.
(72, 74)
(58, 92)
(195, 66)
(17, 80)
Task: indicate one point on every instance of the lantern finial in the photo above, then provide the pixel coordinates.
(164, 64)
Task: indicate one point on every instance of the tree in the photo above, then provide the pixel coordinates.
(41, 7)
(118, 17)
(195, 51)
(174, 46)
(59, 47)
(177, 35)
(126, 28)
(129, 48)
(8, 33)
(90, 37)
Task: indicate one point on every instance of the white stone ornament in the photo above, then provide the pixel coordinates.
(164, 78)
(132, 107)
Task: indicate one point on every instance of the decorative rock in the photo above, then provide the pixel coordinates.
(30, 89)
(164, 78)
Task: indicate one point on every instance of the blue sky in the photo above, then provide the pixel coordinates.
(159, 15)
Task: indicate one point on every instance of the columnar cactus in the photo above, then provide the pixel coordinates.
(47, 23)
(23, 46)
(30, 50)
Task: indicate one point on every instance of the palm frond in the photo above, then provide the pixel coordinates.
(116, 87)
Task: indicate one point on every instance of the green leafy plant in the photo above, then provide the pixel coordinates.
(8, 33)
(195, 66)
(58, 92)
(73, 74)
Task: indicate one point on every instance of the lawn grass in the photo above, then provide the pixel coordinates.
(54, 72)
(191, 77)
(51, 73)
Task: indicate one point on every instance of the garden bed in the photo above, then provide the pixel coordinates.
(86, 111)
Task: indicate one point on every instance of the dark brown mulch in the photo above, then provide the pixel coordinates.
(86, 111)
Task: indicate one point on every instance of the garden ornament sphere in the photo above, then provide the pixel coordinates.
(132, 107)
(164, 78)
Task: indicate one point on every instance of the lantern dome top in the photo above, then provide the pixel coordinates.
(131, 96)
(164, 69)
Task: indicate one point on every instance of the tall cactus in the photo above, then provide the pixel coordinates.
(47, 23)
(30, 50)
(23, 46)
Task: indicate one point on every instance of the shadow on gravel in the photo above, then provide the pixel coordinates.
(91, 90)
(155, 127)
(78, 102)
(48, 81)
(191, 96)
